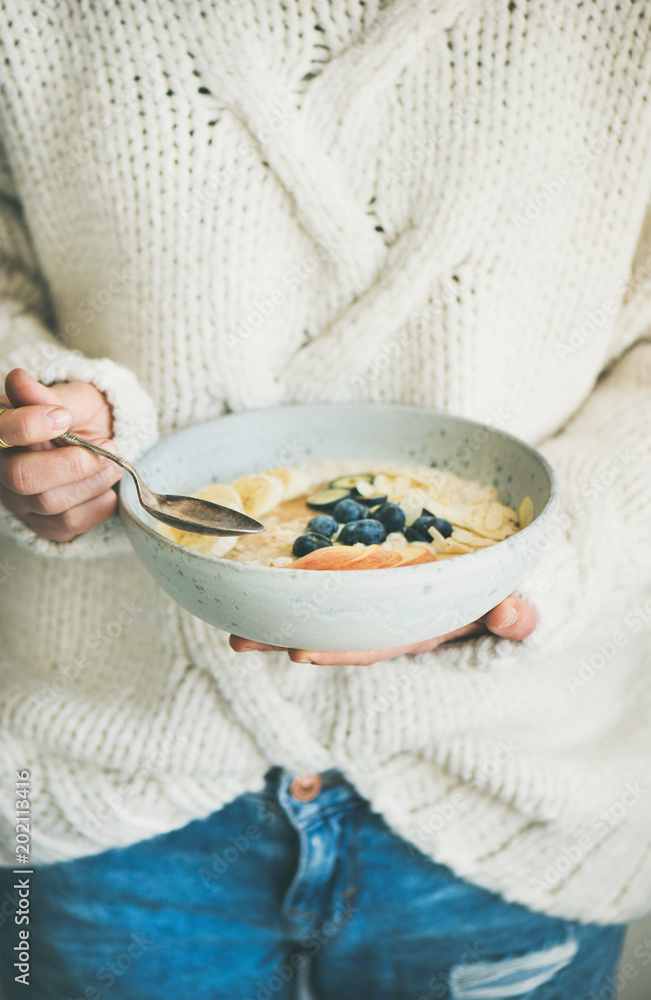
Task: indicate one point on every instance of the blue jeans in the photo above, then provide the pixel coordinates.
(233, 906)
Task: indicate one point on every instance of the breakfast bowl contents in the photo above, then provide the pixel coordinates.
(343, 487)
(329, 516)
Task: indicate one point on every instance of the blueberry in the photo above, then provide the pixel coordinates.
(412, 535)
(349, 510)
(322, 524)
(442, 526)
(417, 532)
(308, 543)
(369, 531)
(391, 515)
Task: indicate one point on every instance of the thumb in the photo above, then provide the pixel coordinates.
(86, 409)
(37, 415)
(512, 619)
(23, 390)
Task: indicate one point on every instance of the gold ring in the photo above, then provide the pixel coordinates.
(3, 444)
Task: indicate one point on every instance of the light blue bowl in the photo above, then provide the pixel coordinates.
(336, 609)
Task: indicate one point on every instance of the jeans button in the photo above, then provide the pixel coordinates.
(306, 787)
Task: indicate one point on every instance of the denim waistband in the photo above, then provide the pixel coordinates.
(329, 778)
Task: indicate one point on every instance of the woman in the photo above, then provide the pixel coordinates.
(211, 207)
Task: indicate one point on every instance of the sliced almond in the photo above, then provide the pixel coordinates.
(507, 512)
(434, 481)
(384, 484)
(496, 536)
(481, 543)
(455, 515)
(493, 520)
(439, 542)
(401, 485)
(525, 512)
(456, 548)
(412, 503)
(461, 535)
(366, 489)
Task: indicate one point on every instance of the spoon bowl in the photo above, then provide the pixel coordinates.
(186, 513)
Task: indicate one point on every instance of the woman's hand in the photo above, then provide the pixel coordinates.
(512, 619)
(59, 491)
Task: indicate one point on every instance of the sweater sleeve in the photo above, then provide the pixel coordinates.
(27, 341)
(596, 554)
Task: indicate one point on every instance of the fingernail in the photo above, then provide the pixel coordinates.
(303, 659)
(58, 418)
(246, 647)
(510, 619)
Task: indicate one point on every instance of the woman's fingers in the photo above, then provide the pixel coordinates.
(23, 390)
(60, 491)
(512, 619)
(37, 414)
(351, 657)
(58, 499)
(27, 473)
(75, 521)
(365, 657)
(90, 412)
(241, 645)
(33, 424)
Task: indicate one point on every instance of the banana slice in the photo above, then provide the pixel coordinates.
(222, 494)
(259, 493)
(216, 546)
(220, 546)
(295, 482)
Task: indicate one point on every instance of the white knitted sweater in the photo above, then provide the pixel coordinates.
(212, 206)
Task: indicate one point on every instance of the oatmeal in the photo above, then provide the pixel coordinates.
(358, 515)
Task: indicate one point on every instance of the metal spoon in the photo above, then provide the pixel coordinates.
(187, 513)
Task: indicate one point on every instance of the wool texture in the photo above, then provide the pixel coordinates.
(215, 206)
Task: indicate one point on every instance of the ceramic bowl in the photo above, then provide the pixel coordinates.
(336, 609)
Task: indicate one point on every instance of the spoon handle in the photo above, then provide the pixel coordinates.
(83, 443)
(97, 449)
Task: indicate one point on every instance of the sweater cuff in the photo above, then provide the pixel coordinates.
(574, 577)
(135, 429)
(135, 418)
(566, 584)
